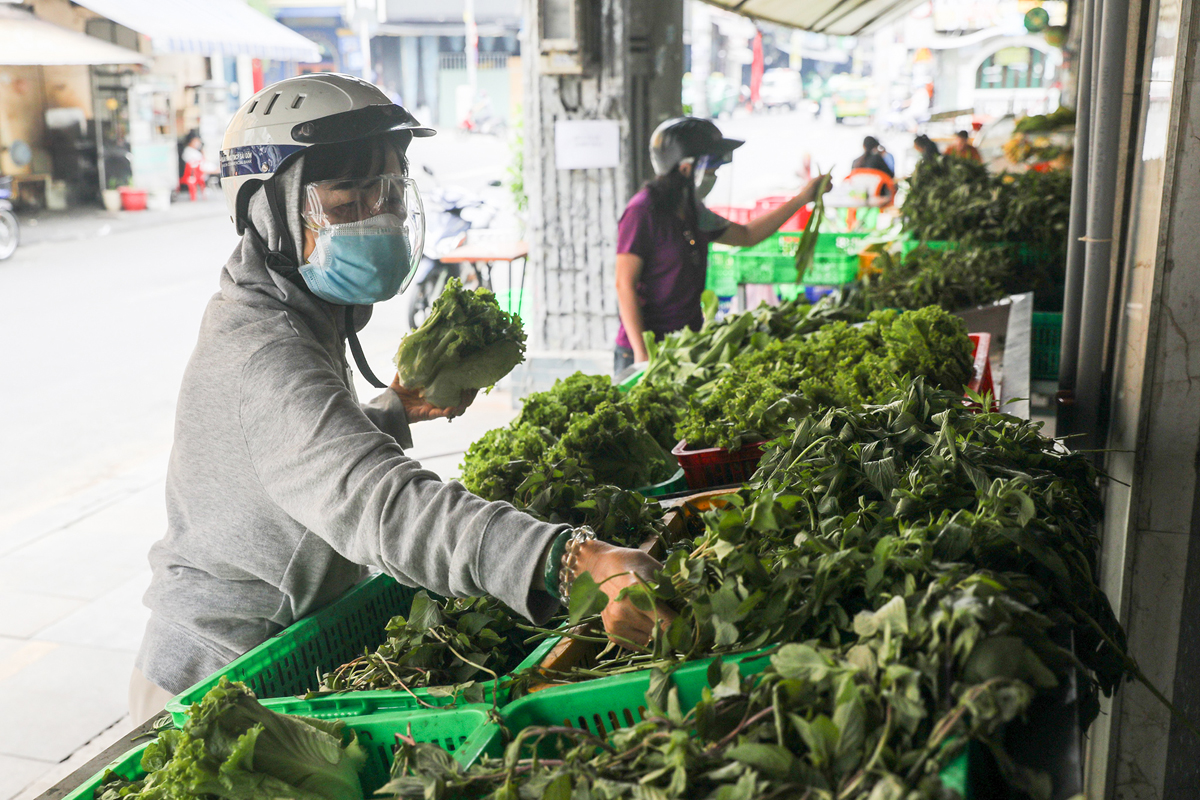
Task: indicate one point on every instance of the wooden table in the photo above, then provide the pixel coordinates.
(490, 253)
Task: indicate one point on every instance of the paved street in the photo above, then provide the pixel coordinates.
(101, 314)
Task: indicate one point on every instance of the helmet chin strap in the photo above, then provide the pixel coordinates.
(360, 360)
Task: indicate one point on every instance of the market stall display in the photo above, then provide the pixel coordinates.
(889, 574)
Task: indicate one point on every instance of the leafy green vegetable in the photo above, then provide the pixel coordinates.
(1061, 117)
(951, 198)
(565, 492)
(910, 560)
(233, 748)
(615, 447)
(953, 278)
(577, 394)
(693, 360)
(838, 365)
(500, 461)
(659, 407)
(450, 643)
(467, 342)
(584, 418)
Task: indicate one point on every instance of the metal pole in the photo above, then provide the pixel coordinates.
(1098, 246)
(1073, 294)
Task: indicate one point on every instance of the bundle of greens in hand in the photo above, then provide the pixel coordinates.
(468, 342)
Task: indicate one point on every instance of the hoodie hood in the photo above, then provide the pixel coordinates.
(247, 277)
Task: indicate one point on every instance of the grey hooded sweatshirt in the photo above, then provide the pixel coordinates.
(282, 490)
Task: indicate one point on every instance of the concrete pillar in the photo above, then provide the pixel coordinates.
(429, 78)
(632, 66)
(701, 38)
(409, 72)
(1150, 559)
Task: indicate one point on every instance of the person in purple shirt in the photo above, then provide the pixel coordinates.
(663, 236)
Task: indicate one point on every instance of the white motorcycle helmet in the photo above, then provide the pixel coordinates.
(287, 117)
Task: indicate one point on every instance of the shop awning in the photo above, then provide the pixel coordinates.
(26, 40)
(834, 17)
(214, 27)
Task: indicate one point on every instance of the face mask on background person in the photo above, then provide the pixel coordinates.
(706, 184)
(360, 263)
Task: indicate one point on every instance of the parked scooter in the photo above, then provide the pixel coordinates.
(449, 213)
(10, 232)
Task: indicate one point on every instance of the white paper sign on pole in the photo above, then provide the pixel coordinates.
(587, 143)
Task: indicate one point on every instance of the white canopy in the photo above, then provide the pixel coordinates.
(214, 27)
(28, 41)
(834, 17)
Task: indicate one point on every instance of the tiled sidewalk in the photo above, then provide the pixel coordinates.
(71, 616)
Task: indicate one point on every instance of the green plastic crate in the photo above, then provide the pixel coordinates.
(632, 381)
(835, 259)
(675, 483)
(462, 731)
(513, 301)
(1045, 346)
(722, 275)
(603, 705)
(830, 269)
(784, 273)
(290, 662)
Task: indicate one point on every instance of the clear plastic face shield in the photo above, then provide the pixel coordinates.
(704, 171)
(359, 206)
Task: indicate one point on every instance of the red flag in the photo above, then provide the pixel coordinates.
(756, 69)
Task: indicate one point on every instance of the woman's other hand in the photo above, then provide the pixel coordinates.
(816, 187)
(418, 409)
(616, 568)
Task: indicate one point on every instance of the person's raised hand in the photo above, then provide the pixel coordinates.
(816, 187)
(418, 409)
(616, 568)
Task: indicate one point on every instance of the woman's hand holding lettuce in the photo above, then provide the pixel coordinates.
(467, 343)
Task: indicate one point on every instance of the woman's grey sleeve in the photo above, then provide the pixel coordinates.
(328, 466)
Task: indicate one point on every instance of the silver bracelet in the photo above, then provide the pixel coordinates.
(570, 559)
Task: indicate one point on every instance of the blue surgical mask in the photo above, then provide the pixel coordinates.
(360, 263)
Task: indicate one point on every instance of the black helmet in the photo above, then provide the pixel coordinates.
(688, 137)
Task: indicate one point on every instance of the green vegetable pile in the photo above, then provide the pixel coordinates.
(467, 343)
(582, 418)
(1061, 117)
(693, 360)
(234, 749)
(451, 645)
(970, 274)
(838, 365)
(951, 198)
(914, 568)
(956, 200)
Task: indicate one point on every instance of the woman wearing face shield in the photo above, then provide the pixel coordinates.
(663, 236)
(283, 490)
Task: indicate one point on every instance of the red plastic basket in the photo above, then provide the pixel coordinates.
(716, 466)
(737, 214)
(797, 220)
(133, 199)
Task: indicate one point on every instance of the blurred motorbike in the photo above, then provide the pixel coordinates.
(449, 213)
(10, 231)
